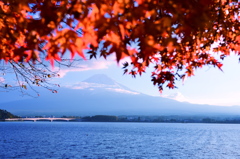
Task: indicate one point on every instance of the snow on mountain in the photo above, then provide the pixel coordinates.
(102, 95)
(177, 96)
(101, 81)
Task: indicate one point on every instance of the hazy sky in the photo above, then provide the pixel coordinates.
(208, 86)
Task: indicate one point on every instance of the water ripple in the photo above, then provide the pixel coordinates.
(39, 140)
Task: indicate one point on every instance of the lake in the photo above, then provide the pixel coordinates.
(70, 140)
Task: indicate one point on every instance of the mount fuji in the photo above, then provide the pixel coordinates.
(101, 82)
(100, 95)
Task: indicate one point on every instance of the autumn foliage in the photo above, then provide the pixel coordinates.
(174, 36)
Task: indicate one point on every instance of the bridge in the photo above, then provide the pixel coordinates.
(39, 119)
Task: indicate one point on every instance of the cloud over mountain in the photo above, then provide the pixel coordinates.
(102, 95)
(101, 81)
(85, 66)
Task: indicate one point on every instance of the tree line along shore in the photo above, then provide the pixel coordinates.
(139, 118)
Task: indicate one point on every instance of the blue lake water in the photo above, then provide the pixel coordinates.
(41, 140)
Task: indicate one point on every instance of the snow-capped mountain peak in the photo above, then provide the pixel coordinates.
(100, 79)
(103, 82)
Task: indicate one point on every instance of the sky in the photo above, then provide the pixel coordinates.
(209, 85)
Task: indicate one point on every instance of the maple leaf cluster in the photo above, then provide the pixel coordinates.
(175, 36)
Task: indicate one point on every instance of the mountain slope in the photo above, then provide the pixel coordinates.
(5, 114)
(102, 95)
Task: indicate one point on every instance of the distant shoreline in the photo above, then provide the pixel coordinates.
(113, 122)
(129, 119)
